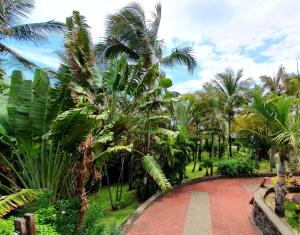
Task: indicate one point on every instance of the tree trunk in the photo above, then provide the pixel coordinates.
(272, 159)
(130, 186)
(229, 137)
(280, 187)
(200, 151)
(195, 153)
(220, 155)
(212, 154)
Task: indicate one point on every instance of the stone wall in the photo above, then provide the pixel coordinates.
(265, 219)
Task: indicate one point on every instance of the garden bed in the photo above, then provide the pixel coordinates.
(264, 216)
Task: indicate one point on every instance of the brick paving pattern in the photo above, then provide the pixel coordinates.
(229, 209)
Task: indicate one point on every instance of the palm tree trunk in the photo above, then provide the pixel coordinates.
(219, 147)
(272, 159)
(280, 187)
(229, 137)
(212, 153)
(195, 153)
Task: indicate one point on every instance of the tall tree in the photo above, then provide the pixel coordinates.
(12, 15)
(129, 31)
(230, 85)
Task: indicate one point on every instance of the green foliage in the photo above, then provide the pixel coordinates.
(236, 167)
(91, 225)
(67, 216)
(154, 170)
(16, 200)
(292, 215)
(27, 105)
(60, 217)
(6, 226)
(43, 167)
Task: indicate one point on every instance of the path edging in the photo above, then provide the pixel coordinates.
(264, 218)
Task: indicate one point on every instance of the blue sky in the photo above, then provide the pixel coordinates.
(255, 35)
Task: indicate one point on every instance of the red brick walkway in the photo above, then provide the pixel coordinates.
(229, 209)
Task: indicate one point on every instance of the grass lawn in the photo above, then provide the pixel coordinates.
(115, 218)
(196, 173)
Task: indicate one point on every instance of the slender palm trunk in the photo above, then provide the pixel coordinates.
(219, 140)
(280, 187)
(195, 153)
(229, 137)
(272, 159)
(212, 154)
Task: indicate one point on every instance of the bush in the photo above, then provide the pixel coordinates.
(236, 167)
(6, 226)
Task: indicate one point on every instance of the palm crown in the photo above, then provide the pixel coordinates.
(12, 14)
(128, 31)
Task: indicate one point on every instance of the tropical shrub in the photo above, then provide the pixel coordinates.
(236, 167)
(6, 226)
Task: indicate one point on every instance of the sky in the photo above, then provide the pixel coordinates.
(256, 36)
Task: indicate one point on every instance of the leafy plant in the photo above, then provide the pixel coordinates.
(16, 200)
(236, 167)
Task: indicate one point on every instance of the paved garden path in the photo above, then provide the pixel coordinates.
(217, 207)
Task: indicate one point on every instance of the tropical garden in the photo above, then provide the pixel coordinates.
(83, 146)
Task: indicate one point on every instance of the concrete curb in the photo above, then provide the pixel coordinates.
(264, 218)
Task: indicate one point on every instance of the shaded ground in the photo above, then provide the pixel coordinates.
(224, 211)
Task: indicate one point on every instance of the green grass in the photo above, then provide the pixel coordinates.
(196, 173)
(115, 218)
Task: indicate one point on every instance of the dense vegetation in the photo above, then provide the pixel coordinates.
(107, 116)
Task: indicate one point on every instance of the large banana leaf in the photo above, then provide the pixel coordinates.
(38, 109)
(27, 104)
(71, 127)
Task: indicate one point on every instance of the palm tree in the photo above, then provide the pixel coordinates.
(12, 14)
(129, 31)
(277, 83)
(230, 85)
(274, 117)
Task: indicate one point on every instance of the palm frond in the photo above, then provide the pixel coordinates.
(15, 10)
(154, 170)
(35, 32)
(182, 56)
(154, 25)
(16, 200)
(10, 52)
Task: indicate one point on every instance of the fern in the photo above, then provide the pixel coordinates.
(154, 170)
(115, 149)
(16, 200)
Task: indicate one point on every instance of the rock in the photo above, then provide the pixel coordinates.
(296, 199)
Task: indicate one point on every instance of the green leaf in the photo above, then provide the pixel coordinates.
(154, 170)
(40, 92)
(16, 200)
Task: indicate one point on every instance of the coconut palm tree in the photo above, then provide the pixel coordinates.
(129, 31)
(12, 14)
(274, 118)
(230, 85)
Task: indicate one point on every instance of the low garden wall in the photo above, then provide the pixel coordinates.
(264, 218)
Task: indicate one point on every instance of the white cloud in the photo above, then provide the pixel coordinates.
(221, 30)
